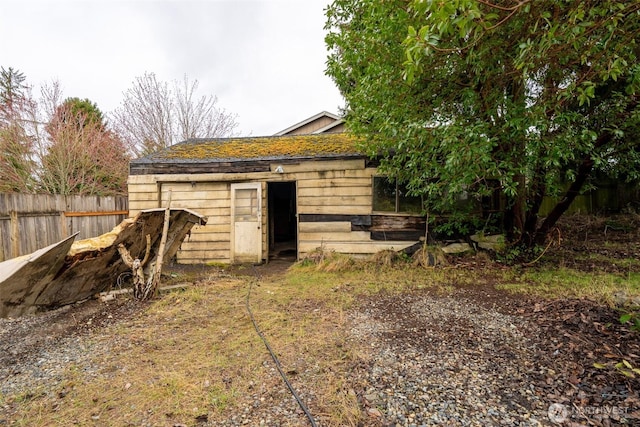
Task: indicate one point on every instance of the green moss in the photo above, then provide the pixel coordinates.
(252, 148)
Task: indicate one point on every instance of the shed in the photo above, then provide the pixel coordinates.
(268, 196)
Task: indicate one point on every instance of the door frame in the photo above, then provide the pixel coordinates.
(254, 185)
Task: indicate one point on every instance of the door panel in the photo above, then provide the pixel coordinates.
(246, 222)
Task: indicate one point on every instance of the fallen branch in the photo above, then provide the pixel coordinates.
(111, 295)
(137, 267)
(154, 281)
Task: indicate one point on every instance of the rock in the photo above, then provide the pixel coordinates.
(374, 412)
(493, 243)
(624, 299)
(372, 398)
(456, 248)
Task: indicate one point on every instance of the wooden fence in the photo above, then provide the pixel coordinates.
(29, 222)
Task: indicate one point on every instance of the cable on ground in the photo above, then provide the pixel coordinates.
(275, 358)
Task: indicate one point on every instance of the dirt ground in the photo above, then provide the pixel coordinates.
(583, 330)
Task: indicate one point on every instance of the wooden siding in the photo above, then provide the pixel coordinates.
(339, 191)
(210, 242)
(29, 222)
(311, 127)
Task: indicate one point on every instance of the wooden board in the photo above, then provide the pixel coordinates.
(350, 236)
(314, 166)
(365, 247)
(324, 227)
(402, 235)
(305, 191)
(335, 210)
(337, 199)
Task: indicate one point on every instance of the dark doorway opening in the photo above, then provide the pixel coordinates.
(283, 225)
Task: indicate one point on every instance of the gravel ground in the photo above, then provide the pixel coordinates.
(35, 350)
(481, 360)
(449, 362)
(477, 357)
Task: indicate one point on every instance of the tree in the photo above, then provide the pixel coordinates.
(12, 86)
(529, 98)
(84, 110)
(82, 157)
(16, 143)
(155, 115)
(199, 116)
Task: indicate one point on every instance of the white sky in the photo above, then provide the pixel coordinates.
(263, 59)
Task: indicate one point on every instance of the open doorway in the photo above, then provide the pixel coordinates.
(283, 226)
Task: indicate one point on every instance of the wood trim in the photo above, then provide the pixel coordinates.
(397, 222)
(318, 165)
(353, 219)
(101, 213)
(407, 224)
(405, 235)
(230, 166)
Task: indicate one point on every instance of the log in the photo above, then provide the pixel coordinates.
(163, 242)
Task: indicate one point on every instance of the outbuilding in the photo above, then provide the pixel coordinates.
(277, 195)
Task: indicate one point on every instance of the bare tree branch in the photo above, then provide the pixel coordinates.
(154, 115)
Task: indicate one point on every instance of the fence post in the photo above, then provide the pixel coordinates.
(2, 257)
(64, 231)
(15, 234)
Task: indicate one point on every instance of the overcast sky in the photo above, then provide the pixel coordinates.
(263, 59)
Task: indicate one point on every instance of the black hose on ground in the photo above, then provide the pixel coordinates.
(275, 358)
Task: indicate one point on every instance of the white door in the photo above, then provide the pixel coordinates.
(246, 222)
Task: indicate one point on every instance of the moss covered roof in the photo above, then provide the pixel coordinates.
(258, 148)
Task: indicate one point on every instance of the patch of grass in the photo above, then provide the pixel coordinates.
(569, 283)
(194, 351)
(624, 263)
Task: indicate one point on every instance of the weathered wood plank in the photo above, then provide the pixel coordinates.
(324, 227)
(142, 197)
(402, 235)
(184, 194)
(202, 257)
(141, 205)
(326, 165)
(335, 209)
(366, 247)
(352, 219)
(208, 245)
(364, 190)
(15, 235)
(319, 182)
(351, 236)
(135, 180)
(211, 227)
(231, 166)
(146, 187)
(253, 176)
(336, 200)
(397, 222)
(200, 167)
(208, 237)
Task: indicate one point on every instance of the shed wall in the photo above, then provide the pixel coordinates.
(328, 191)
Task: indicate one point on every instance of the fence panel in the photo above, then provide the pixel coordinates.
(29, 222)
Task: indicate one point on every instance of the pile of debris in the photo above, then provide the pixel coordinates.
(67, 272)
